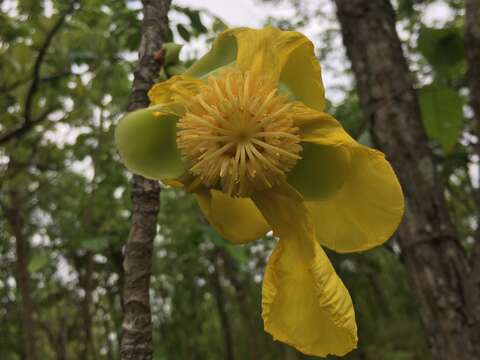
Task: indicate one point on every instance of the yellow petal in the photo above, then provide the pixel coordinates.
(235, 219)
(368, 206)
(303, 77)
(222, 53)
(321, 171)
(366, 211)
(284, 56)
(177, 89)
(146, 142)
(287, 57)
(319, 127)
(304, 302)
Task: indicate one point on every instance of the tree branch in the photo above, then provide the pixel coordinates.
(40, 59)
(28, 120)
(25, 126)
(47, 78)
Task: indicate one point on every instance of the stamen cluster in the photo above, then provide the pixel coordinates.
(237, 134)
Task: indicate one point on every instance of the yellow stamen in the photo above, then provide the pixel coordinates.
(237, 134)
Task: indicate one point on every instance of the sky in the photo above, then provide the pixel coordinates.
(235, 13)
(250, 12)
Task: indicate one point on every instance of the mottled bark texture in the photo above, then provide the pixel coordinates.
(137, 326)
(439, 270)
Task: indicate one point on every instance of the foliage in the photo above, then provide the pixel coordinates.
(442, 113)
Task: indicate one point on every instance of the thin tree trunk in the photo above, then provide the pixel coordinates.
(472, 47)
(15, 220)
(233, 274)
(437, 264)
(86, 304)
(472, 50)
(137, 324)
(62, 339)
(220, 300)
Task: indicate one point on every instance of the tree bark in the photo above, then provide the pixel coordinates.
(86, 282)
(222, 312)
(137, 325)
(22, 246)
(437, 263)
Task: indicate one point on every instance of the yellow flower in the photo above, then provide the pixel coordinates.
(245, 130)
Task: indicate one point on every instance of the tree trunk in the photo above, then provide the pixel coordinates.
(14, 218)
(233, 274)
(137, 324)
(472, 47)
(472, 50)
(437, 264)
(220, 300)
(86, 281)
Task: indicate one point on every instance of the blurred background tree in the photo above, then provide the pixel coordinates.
(66, 71)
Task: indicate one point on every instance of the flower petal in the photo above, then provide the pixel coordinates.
(146, 142)
(303, 76)
(319, 127)
(287, 57)
(236, 219)
(367, 207)
(305, 304)
(321, 171)
(366, 211)
(178, 88)
(222, 53)
(284, 56)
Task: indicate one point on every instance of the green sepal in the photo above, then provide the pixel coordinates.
(146, 141)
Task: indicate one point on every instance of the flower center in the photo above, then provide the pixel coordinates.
(237, 134)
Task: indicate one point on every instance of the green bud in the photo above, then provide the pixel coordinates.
(172, 55)
(147, 144)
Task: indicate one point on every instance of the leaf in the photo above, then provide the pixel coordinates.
(184, 33)
(38, 261)
(444, 49)
(95, 244)
(195, 20)
(442, 114)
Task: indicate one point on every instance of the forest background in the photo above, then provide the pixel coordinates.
(402, 76)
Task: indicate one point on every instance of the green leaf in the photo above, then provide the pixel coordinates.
(38, 261)
(184, 33)
(442, 114)
(196, 22)
(95, 244)
(444, 49)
